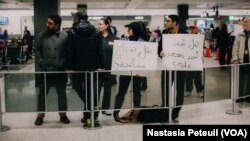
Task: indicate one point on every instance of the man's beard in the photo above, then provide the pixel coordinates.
(51, 30)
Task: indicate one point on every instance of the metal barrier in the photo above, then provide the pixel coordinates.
(171, 98)
(234, 89)
(3, 128)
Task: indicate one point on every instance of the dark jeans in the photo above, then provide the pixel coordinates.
(197, 78)
(82, 85)
(180, 90)
(124, 82)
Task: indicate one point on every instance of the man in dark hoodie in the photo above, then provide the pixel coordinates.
(86, 54)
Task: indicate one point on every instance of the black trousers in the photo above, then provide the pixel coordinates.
(180, 82)
(82, 85)
(61, 92)
(105, 82)
(124, 82)
(194, 76)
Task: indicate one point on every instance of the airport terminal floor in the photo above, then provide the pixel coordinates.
(212, 109)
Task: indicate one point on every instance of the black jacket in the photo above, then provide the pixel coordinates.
(85, 47)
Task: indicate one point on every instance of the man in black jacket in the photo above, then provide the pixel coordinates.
(172, 28)
(86, 54)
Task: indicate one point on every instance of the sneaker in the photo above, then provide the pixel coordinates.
(88, 122)
(107, 113)
(83, 120)
(65, 120)
(39, 121)
(187, 93)
(200, 94)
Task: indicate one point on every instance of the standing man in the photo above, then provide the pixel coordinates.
(27, 40)
(51, 55)
(241, 55)
(171, 25)
(86, 54)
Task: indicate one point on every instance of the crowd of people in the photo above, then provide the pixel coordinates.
(86, 48)
(14, 48)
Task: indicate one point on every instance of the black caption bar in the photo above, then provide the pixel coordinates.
(217, 132)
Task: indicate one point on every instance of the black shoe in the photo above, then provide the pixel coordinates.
(240, 100)
(144, 88)
(175, 116)
(39, 121)
(116, 116)
(247, 99)
(65, 120)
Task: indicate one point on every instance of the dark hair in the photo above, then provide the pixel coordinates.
(144, 32)
(174, 18)
(57, 19)
(106, 22)
(109, 18)
(224, 27)
(136, 28)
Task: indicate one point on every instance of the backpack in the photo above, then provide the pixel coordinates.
(146, 115)
(153, 115)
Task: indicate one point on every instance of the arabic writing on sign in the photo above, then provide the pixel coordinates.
(183, 51)
(132, 55)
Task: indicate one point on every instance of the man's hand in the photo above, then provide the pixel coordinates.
(162, 54)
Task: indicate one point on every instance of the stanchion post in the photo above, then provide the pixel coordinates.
(94, 124)
(2, 127)
(169, 96)
(234, 89)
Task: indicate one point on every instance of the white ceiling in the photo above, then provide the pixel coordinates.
(134, 4)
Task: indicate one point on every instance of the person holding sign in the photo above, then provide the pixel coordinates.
(107, 42)
(195, 76)
(171, 25)
(135, 34)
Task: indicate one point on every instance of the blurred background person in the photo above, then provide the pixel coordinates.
(223, 42)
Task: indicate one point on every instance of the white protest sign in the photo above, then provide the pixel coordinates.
(134, 56)
(183, 51)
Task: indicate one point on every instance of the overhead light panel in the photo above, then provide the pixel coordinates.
(139, 18)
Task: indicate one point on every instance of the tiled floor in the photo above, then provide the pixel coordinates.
(210, 110)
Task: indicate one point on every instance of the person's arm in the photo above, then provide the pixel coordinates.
(101, 57)
(38, 52)
(160, 50)
(235, 52)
